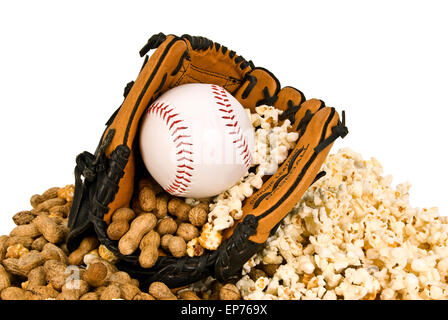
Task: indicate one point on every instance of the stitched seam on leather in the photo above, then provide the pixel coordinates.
(182, 76)
(218, 75)
(228, 114)
(184, 160)
(193, 78)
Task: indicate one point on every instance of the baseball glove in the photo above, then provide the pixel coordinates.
(105, 180)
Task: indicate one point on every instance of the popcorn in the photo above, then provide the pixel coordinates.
(210, 239)
(352, 236)
(106, 254)
(272, 144)
(194, 249)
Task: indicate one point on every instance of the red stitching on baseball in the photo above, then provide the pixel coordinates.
(177, 187)
(240, 139)
(170, 117)
(179, 183)
(181, 137)
(182, 143)
(184, 151)
(184, 172)
(175, 123)
(183, 178)
(224, 104)
(185, 166)
(185, 158)
(220, 94)
(179, 128)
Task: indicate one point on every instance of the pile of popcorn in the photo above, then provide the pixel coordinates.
(352, 236)
(272, 143)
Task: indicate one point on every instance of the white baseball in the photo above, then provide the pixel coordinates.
(196, 140)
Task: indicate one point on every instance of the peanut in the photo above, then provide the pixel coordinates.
(152, 238)
(39, 243)
(26, 230)
(111, 292)
(177, 246)
(14, 293)
(89, 296)
(23, 217)
(73, 290)
(120, 277)
(173, 204)
(229, 292)
(149, 249)
(148, 256)
(135, 282)
(188, 295)
(99, 291)
(87, 245)
(48, 204)
(197, 216)
(161, 206)
(166, 226)
(203, 205)
(129, 291)
(62, 210)
(5, 278)
(3, 246)
(165, 240)
(139, 227)
(160, 291)
(55, 273)
(49, 194)
(144, 296)
(50, 229)
(182, 211)
(147, 199)
(111, 268)
(36, 277)
(96, 274)
(120, 223)
(27, 242)
(187, 231)
(24, 264)
(150, 183)
(44, 292)
(53, 252)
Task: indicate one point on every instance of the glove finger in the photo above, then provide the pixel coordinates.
(284, 189)
(289, 101)
(261, 87)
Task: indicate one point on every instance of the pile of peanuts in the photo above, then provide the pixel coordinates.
(157, 224)
(35, 263)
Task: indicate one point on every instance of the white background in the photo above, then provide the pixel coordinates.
(63, 66)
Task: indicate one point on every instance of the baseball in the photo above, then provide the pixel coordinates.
(196, 140)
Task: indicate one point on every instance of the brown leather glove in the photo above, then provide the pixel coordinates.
(108, 182)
